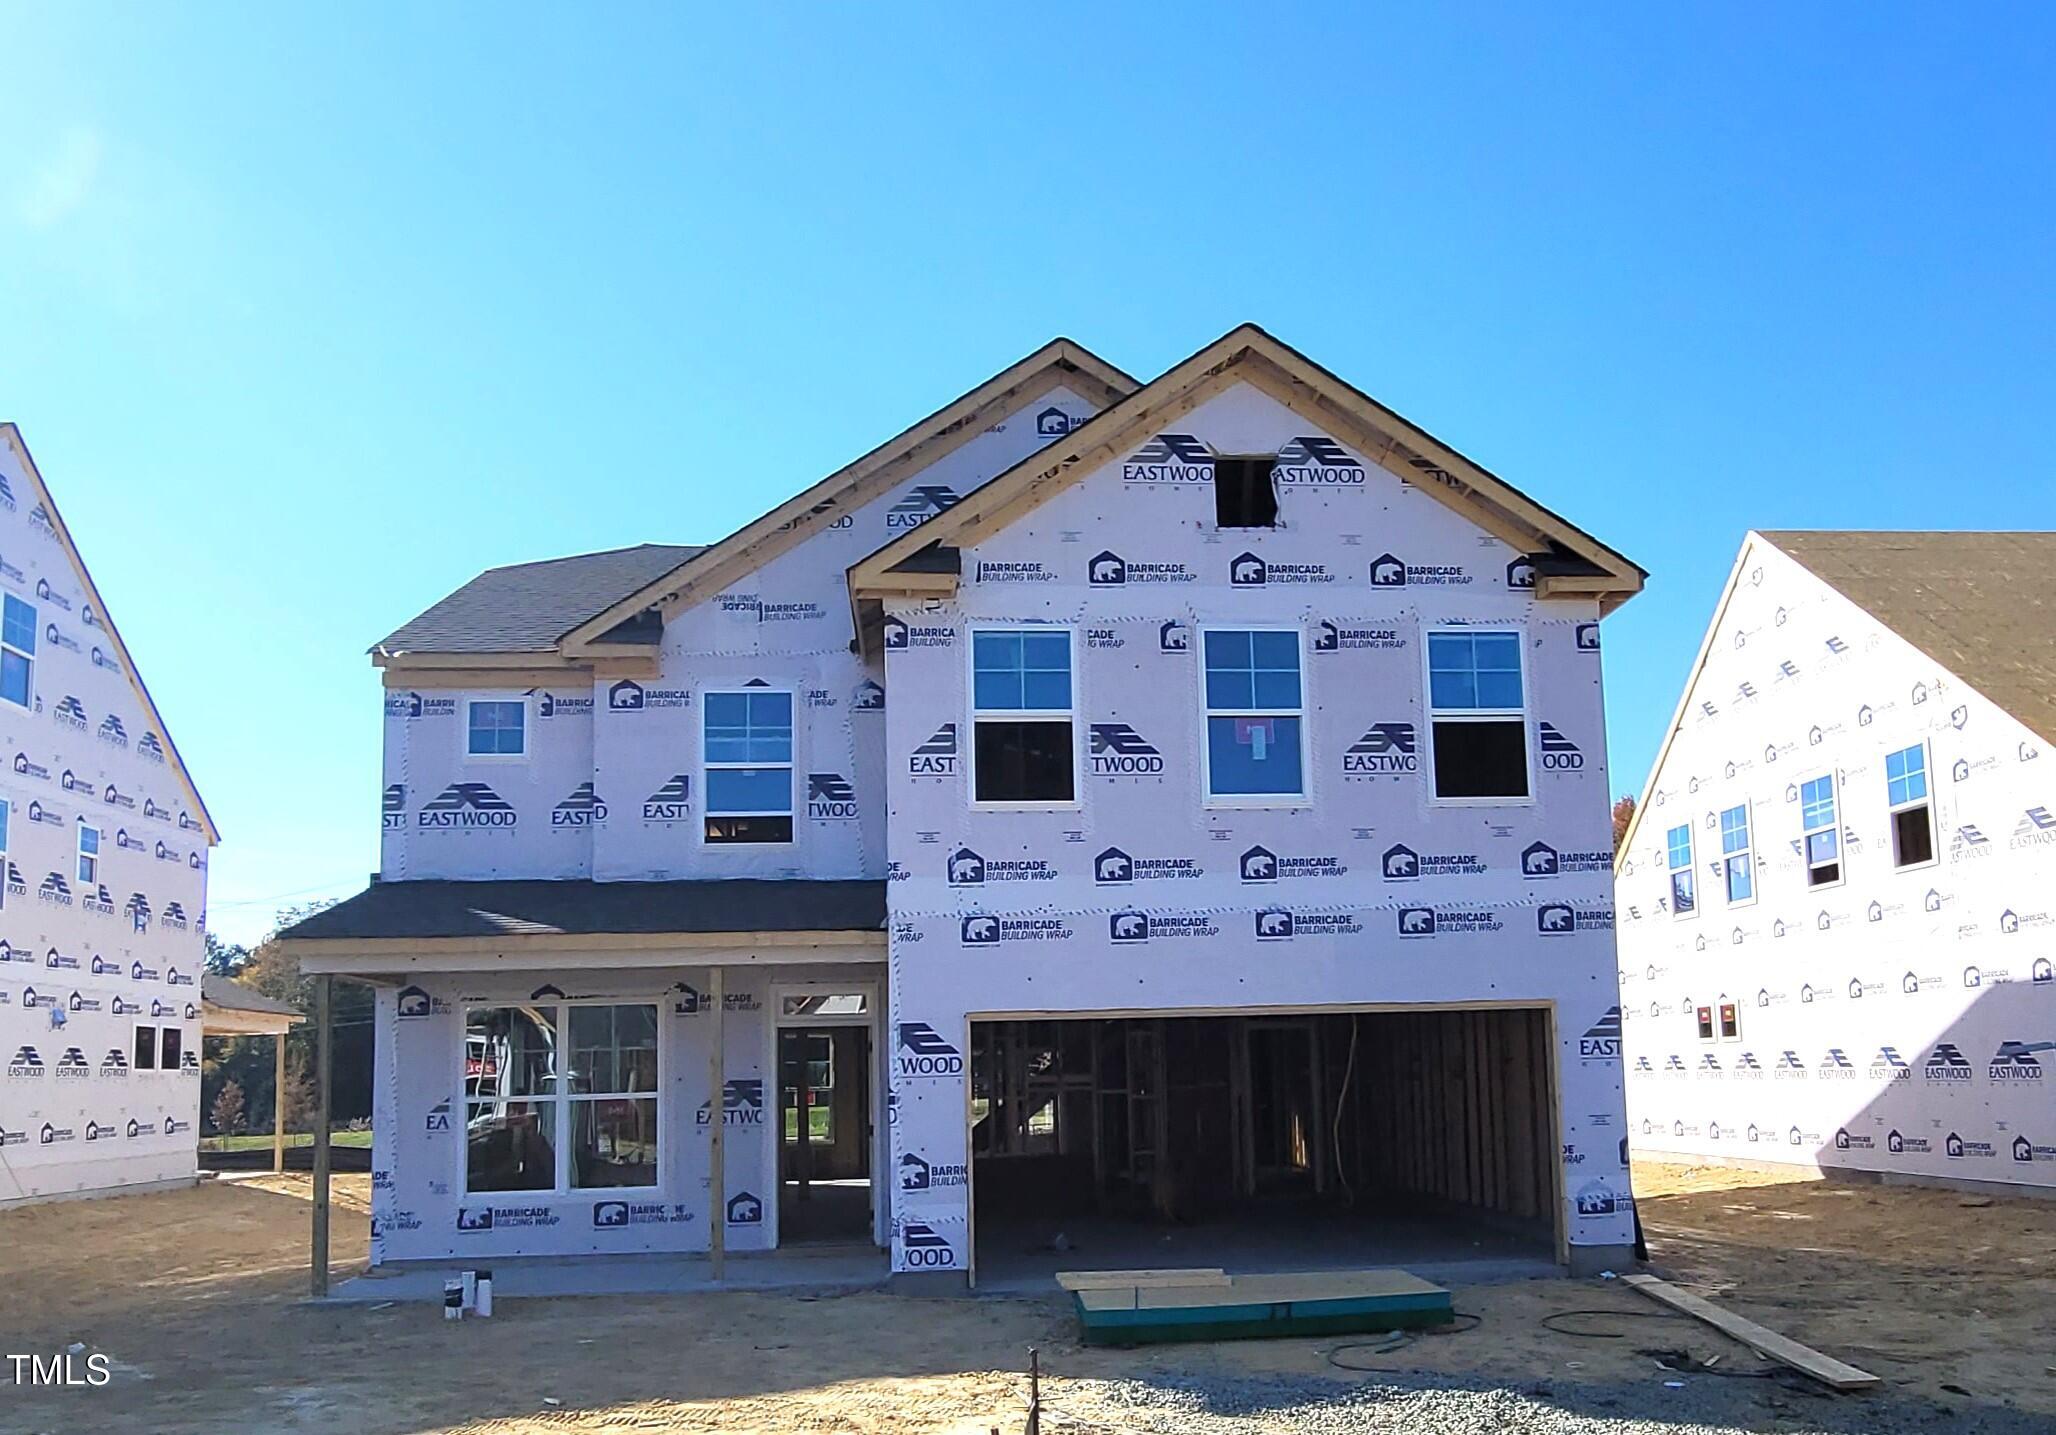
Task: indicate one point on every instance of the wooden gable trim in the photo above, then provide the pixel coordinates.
(174, 760)
(1058, 364)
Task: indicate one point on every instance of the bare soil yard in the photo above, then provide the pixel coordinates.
(196, 1297)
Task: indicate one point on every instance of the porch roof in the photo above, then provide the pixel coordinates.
(440, 909)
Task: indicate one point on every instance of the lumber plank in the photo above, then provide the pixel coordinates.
(1145, 1279)
(1765, 1341)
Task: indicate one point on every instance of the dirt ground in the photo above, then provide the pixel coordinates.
(1937, 1292)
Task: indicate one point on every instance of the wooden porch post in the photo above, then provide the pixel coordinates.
(278, 1104)
(324, 1028)
(717, 1117)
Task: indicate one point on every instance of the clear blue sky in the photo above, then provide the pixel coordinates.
(309, 316)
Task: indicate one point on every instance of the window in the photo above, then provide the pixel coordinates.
(749, 766)
(1822, 845)
(1730, 1013)
(89, 855)
(1478, 722)
(6, 812)
(1678, 854)
(1906, 789)
(1244, 494)
(1738, 859)
(498, 729)
(601, 1096)
(172, 1039)
(1704, 1018)
(146, 1048)
(18, 652)
(1254, 714)
(1022, 748)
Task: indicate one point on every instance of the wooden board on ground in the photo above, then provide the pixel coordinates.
(1143, 1280)
(1804, 1359)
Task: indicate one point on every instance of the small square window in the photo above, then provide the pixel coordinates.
(1245, 493)
(1704, 1016)
(146, 1048)
(1730, 1021)
(498, 729)
(1906, 791)
(172, 1044)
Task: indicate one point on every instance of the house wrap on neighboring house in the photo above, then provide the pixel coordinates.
(103, 883)
(1838, 896)
(1103, 797)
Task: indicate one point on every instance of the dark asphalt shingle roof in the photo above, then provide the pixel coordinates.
(514, 908)
(1983, 605)
(526, 607)
(227, 992)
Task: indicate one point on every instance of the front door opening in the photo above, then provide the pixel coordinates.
(824, 1134)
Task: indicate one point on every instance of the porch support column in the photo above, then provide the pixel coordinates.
(717, 1117)
(278, 1104)
(324, 1031)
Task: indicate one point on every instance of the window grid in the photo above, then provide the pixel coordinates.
(1738, 859)
(1254, 699)
(1822, 840)
(1678, 854)
(1021, 673)
(563, 1099)
(748, 753)
(497, 728)
(17, 651)
(1906, 777)
(1475, 678)
(89, 855)
(1023, 718)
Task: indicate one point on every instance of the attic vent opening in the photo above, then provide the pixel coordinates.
(1245, 493)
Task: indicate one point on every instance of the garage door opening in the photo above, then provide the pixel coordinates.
(1291, 1141)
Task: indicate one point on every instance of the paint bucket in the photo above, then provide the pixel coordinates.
(470, 1279)
(482, 1301)
(453, 1298)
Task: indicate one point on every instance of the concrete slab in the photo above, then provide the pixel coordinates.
(825, 1269)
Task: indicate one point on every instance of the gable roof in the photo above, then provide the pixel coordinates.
(1059, 363)
(1570, 560)
(1983, 605)
(227, 992)
(527, 607)
(177, 763)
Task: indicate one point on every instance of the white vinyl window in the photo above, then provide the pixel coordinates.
(18, 652)
(1821, 832)
(1906, 790)
(1478, 718)
(1720, 1022)
(561, 1097)
(1678, 857)
(748, 757)
(1255, 700)
(89, 856)
(1738, 857)
(1023, 719)
(496, 727)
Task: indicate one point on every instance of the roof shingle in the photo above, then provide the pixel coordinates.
(526, 607)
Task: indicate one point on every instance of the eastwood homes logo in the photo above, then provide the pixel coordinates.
(1559, 753)
(1402, 864)
(2018, 1061)
(742, 1103)
(1246, 570)
(923, 1247)
(1602, 1040)
(1888, 1065)
(936, 757)
(1109, 570)
(1118, 750)
(1261, 864)
(1560, 919)
(919, 1051)
(73, 1066)
(1539, 859)
(26, 1064)
(469, 806)
(670, 803)
(1947, 1064)
(1283, 924)
(583, 808)
(1388, 749)
(1169, 458)
(409, 705)
(1116, 868)
(967, 869)
(629, 696)
(1131, 927)
(900, 635)
(2036, 828)
(71, 713)
(830, 798)
(55, 889)
(112, 732)
(1389, 570)
(921, 503)
(980, 930)
(1331, 637)
(1314, 461)
(392, 810)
